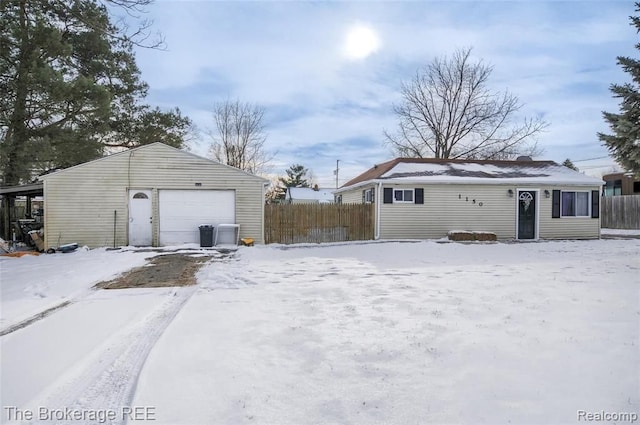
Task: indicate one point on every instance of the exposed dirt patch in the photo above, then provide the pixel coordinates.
(161, 271)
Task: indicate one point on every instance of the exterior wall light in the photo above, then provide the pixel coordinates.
(547, 194)
(510, 193)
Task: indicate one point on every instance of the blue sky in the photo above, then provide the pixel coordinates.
(324, 105)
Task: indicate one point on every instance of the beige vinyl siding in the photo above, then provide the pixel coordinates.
(566, 227)
(355, 196)
(72, 214)
(451, 207)
(446, 208)
(80, 201)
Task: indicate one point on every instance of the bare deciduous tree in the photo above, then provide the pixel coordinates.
(449, 111)
(239, 137)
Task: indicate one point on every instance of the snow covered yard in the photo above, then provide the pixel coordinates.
(31, 284)
(87, 354)
(414, 332)
(404, 333)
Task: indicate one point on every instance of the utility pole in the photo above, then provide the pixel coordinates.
(337, 171)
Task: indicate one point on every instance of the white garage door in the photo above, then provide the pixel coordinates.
(182, 211)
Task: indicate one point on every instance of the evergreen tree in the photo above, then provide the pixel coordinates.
(567, 163)
(624, 143)
(70, 87)
(144, 125)
(296, 177)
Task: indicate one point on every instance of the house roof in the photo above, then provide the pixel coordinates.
(451, 171)
(151, 146)
(618, 176)
(309, 194)
(32, 189)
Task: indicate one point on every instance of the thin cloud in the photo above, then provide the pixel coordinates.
(557, 57)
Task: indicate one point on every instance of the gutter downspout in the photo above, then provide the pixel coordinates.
(264, 201)
(376, 236)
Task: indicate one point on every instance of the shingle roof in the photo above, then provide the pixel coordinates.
(376, 171)
(429, 170)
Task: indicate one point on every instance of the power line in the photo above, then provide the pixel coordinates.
(588, 167)
(590, 159)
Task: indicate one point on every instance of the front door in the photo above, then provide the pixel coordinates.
(140, 217)
(526, 214)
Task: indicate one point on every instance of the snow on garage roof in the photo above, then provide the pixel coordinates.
(451, 171)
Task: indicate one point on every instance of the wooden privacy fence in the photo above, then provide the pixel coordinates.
(620, 212)
(298, 223)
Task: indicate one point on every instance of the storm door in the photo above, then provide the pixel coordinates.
(526, 214)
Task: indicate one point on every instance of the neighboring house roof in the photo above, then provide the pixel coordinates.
(451, 171)
(155, 145)
(618, 176)
(309, 194)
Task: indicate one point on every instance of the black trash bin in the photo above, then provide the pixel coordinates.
(206, 235)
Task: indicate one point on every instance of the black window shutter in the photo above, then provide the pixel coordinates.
(555, 211)
(388, 195)
(595, 203)
(364, 198)
(419, 195)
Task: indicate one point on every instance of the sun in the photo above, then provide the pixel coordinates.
(360, 42)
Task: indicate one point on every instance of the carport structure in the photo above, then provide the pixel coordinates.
(9, 214)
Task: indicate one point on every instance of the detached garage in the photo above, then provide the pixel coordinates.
(154, 195)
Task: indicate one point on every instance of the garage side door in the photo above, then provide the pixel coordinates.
(182, 211)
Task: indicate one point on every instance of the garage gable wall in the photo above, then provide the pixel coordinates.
(81, 201)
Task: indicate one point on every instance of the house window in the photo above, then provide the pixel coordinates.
(403, 195)
(575, 204)
(338, 199)
(613, 188)
(140, 195)
(368, 196)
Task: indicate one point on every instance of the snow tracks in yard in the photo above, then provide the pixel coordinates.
(107, 379)
(34, 318)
